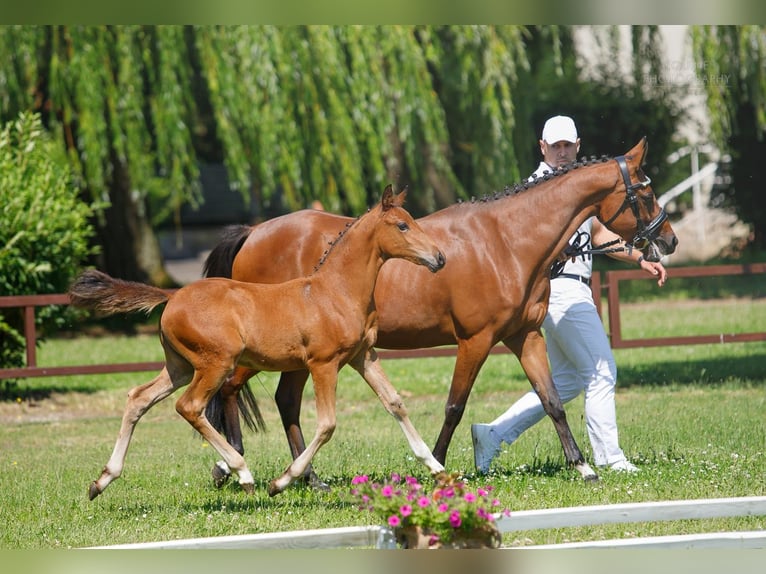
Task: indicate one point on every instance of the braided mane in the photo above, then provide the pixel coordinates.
(516, 188)
(332, 243)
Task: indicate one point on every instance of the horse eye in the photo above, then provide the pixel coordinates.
(403, 226)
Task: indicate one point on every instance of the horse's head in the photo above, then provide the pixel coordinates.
(400, 236)
(632, 210)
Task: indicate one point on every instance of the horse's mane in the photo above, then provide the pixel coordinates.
(335, 242)
(510, 190)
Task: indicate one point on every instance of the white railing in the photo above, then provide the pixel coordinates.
(380, 537)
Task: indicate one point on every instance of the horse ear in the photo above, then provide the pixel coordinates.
(388, 198)
(399, 199)
(639, 151)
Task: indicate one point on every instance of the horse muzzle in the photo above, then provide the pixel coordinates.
(437, 263)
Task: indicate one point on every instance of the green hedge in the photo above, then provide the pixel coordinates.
(44, 227)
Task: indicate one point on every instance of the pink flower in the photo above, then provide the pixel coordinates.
(470, 497)
(395, 477)
(405, 510)
(454, 519)
(394, 521)
(361, 479)
(482, 492)
(482, 513)
(423, 502)
(443, 507)
(387, 491)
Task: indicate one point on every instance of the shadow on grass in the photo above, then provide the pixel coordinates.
(13, 391)
(706, 372)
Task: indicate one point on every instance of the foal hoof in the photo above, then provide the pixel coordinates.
(247, 487)
(273, 488)
(93, 490)
(221, 474)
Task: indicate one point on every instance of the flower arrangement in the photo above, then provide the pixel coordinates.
(451, 516)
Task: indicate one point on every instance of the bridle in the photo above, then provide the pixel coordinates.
(646, 233)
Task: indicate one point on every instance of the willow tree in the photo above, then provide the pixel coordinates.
(294, 113)
(731, 64)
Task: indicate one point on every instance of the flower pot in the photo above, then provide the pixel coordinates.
(419, 538)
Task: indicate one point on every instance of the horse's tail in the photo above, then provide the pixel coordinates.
(248, 408)
(100, 292)
(221, 259)
(220, 263)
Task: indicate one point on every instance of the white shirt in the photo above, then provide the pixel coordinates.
(583, 264)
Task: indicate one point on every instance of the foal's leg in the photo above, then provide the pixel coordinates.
(289, 397)
(471, 355)
(529, 347)
(191, 406)
(325, 378)
(367, 364)
(140, 400)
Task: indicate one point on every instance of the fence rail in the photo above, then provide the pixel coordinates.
(381, 537)
(611, 284)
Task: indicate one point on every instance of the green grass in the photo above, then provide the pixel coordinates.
(691, 417)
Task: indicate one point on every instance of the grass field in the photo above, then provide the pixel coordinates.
(691, 417)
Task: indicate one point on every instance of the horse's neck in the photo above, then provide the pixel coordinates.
(543, 218)
(350, 269)
(574, 198)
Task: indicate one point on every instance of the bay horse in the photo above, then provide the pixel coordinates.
(318, 323)
(494, 288)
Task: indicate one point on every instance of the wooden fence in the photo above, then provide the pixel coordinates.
(611, 285)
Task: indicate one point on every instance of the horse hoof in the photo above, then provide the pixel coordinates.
(248, 487)
(93, 490)
(273, 488)
(311, 480)
(317, 483)
(220, 474)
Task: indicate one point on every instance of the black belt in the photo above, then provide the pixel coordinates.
(579, 278)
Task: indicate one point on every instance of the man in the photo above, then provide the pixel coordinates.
(578, 348)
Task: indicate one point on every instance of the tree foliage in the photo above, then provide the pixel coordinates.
(732, 60)
(296, 113)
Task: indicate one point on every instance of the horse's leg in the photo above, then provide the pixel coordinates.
(529, 347)
(367, 364)
(228, 397)
(471, 355)
(191, 406)
(140, 400)
(325, 379)
(289, 397)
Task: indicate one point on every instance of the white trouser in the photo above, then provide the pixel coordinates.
(580, 358)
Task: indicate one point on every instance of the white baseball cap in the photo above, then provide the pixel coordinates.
(560, 128)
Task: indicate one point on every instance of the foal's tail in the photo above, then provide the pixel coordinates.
(221, 259)
(220, 263)
(100, 292)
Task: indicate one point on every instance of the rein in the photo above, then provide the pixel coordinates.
(577, 248)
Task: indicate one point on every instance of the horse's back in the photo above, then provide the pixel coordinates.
(286, 247)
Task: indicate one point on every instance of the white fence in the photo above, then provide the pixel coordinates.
(380, 537)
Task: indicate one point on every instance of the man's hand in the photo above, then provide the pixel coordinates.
(656, 269)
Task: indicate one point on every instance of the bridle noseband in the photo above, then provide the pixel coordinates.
(646, 233)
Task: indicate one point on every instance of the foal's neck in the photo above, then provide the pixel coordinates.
(351, 265)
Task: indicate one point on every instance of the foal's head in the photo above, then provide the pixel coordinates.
(400, 236)
(632, 210)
